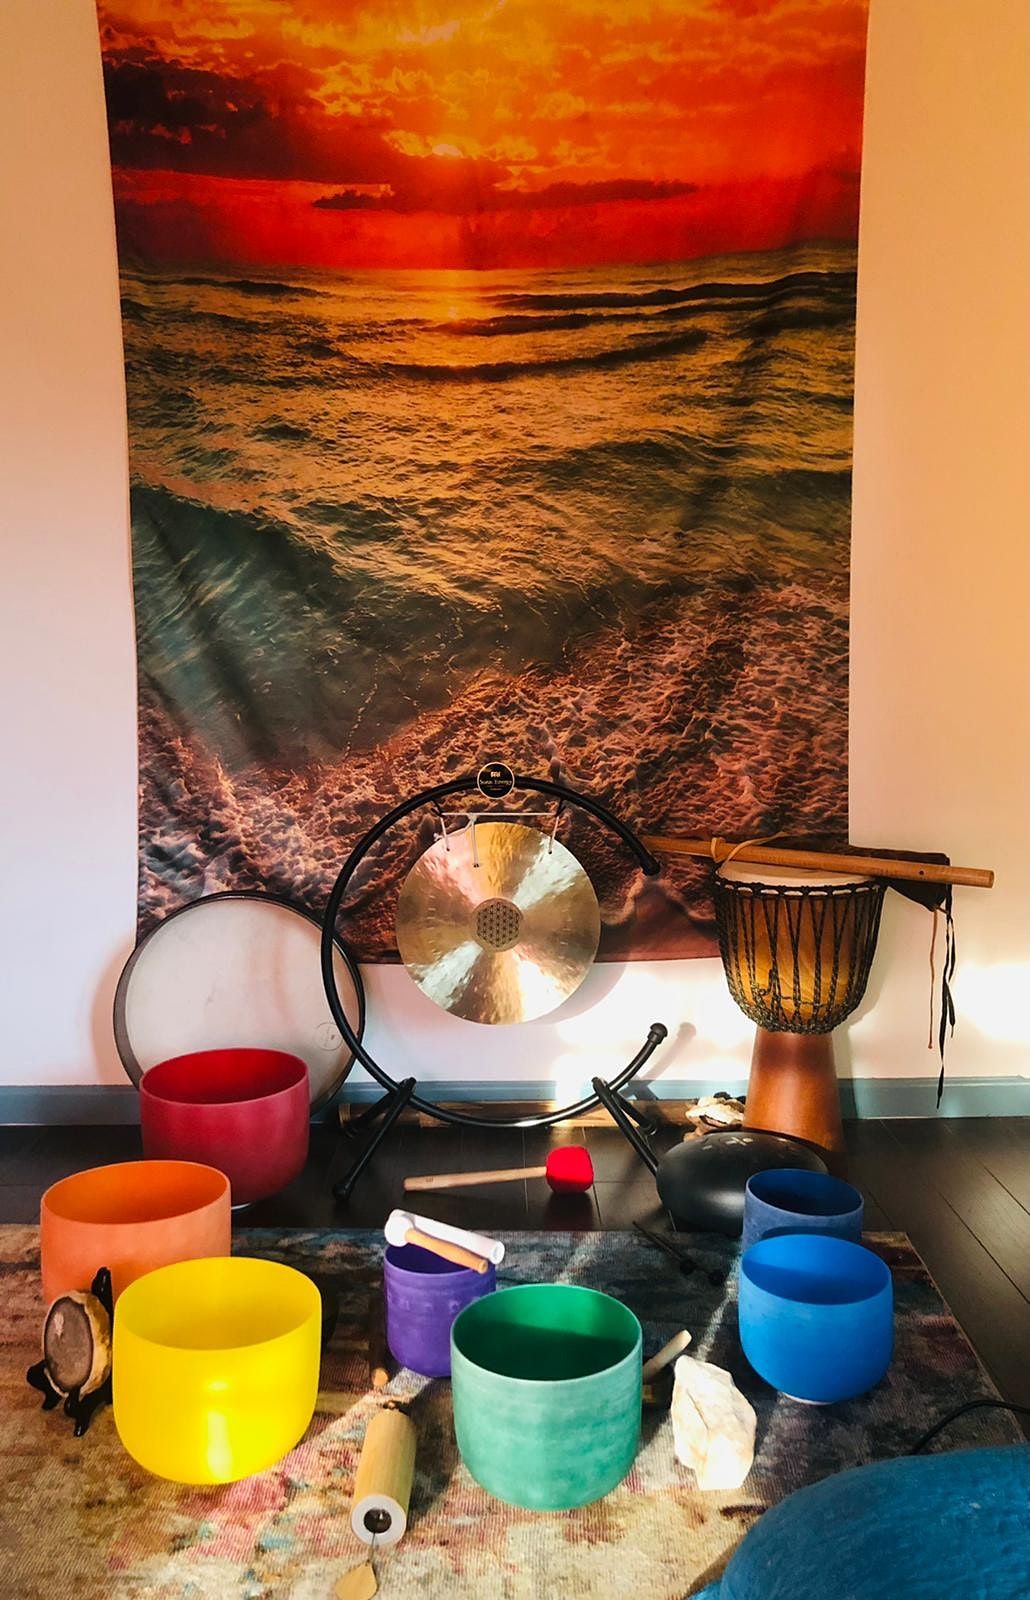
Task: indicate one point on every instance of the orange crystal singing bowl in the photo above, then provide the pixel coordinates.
(131, 1217)
(215, 1367)
(245, 1111)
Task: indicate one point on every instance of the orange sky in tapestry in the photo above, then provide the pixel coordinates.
(370, 134)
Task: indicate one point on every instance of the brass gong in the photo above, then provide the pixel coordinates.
(498, 923)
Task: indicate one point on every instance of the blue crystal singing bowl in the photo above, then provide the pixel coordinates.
(816, 1316)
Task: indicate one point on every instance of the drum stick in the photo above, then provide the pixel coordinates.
(820, 861)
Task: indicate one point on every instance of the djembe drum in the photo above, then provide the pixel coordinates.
(797, 951)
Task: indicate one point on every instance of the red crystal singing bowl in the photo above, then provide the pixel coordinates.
(246, 1112)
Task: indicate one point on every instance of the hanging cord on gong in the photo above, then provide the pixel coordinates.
(554, 830)
(445, 836)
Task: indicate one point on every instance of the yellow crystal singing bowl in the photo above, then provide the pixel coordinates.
(215, 1367)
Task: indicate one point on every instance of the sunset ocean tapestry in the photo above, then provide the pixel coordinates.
(489, 370)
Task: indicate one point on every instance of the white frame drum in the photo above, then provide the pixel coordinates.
(229, 970)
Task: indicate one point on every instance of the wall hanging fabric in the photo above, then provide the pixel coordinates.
(489, 380)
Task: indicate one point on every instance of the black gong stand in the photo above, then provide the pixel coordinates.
(398, 1094)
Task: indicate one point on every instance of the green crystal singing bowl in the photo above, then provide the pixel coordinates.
(546, 1386)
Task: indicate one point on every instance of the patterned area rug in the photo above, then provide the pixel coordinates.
(78, 1517)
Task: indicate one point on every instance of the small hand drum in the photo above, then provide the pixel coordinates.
(797, 952)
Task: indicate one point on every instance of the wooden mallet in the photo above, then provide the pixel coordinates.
(656, 1379)
(568, 1170)
(460, 1245)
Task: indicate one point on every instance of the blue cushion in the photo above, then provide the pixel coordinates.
(915, 1528)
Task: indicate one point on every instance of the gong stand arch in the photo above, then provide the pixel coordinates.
(403, 1092)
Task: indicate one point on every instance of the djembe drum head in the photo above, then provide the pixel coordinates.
(796, 949)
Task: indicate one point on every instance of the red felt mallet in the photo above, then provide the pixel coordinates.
(569, 1170)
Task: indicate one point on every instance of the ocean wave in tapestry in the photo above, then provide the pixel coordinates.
(490, 372)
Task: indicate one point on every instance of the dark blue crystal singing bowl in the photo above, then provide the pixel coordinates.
(790, 1200)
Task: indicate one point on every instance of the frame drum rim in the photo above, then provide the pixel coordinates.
(122, 1036)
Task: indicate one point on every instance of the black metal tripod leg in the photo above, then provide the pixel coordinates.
(617, 1109)
(398, 1099)
(367, 1118)
(645, 1124)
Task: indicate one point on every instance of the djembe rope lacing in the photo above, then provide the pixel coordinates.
(722, 853)
(801, 984)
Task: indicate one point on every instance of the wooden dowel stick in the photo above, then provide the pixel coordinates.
(668, 1353)
(461, 1180)
(820, 861)
(450, 1252)
(378, 1369)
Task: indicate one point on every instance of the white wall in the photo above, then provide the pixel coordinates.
(67, 661)
(940, 709)
(940, 642)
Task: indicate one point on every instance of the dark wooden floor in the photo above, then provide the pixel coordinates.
(959, 1189)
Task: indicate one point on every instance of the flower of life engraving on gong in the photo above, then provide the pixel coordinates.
(498, 923)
